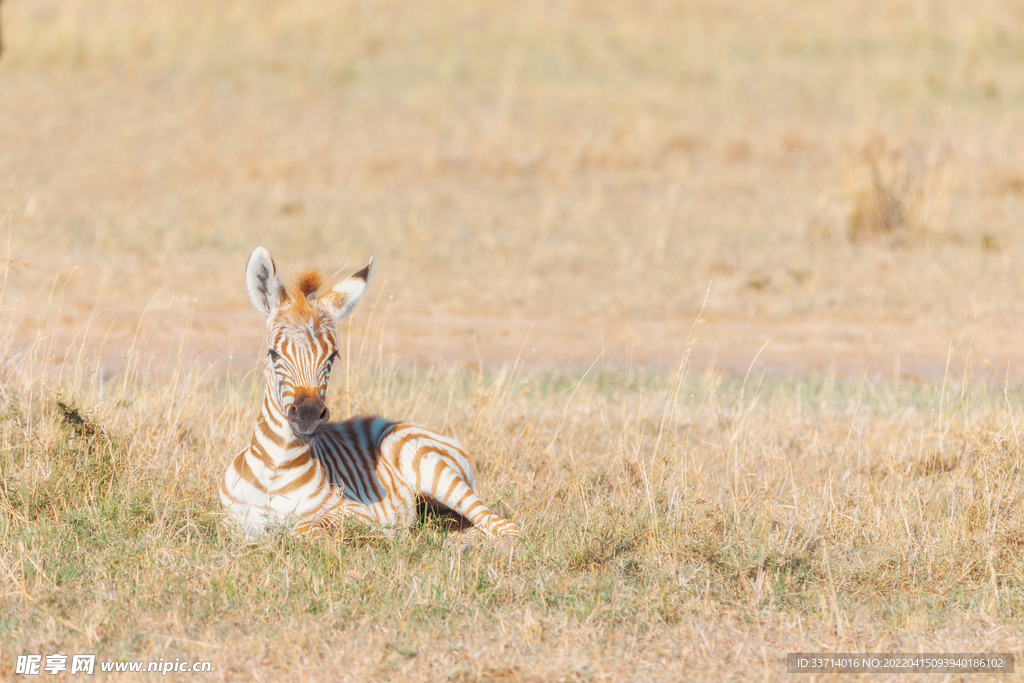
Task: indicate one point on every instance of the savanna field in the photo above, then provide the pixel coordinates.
(723, 298)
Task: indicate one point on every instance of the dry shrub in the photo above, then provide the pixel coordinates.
(898, 194)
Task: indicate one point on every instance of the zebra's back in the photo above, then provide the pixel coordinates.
(350, 453)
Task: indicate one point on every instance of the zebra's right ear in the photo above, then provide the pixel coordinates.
(265, 288)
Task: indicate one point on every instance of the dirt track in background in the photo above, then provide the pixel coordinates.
(908, 350)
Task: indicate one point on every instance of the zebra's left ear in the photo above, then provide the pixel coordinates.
(346, 294)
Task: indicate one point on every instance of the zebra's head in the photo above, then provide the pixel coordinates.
(301, 336)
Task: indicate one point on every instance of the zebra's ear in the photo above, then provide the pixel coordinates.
(265, 288)
(346, 294)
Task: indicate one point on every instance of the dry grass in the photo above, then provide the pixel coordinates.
(674, 526)
(590, 164)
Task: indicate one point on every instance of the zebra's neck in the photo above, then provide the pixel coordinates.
(273, 441)
(269, 481)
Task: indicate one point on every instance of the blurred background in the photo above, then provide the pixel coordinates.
(562, 180)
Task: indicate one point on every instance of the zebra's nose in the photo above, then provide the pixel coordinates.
(307, 414)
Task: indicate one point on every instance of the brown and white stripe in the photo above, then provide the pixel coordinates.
(302, 472)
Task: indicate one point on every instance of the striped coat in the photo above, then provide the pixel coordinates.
(303, 472)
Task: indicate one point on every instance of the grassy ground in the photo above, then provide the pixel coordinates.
(674, 527)
(847, 166)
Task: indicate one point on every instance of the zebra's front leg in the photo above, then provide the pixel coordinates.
(332, 519)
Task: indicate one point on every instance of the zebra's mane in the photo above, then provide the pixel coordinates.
(308, 283)
(304, 291)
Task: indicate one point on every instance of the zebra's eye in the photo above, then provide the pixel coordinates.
(274, 355)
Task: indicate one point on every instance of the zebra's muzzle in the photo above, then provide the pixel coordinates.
(306, 416)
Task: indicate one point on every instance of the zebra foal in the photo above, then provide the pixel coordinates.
(304, 472)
